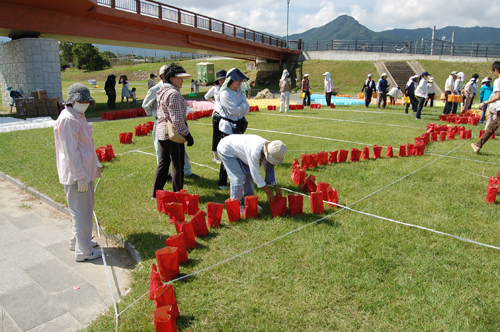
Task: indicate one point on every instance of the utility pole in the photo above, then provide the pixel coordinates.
(432, 42)
(453, 43)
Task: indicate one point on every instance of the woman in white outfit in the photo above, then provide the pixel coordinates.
(77, 167)
(211, 96)
(232, 105)
(285, 89)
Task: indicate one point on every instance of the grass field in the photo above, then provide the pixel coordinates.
(348, 272)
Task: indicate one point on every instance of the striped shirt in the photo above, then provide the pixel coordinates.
(305, 85)
(171, 106)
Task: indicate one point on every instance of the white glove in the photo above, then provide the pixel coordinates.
(83, 186)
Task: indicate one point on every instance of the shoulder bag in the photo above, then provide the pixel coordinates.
(173, 134)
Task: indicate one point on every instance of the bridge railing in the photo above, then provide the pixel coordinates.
(173, 14)
(418, 47)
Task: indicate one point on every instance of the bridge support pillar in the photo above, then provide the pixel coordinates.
(269, 73)
(30, 64)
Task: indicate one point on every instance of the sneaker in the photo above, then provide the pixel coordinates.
(93, 255)
(216, 160)
(242, 210)
(92, 244)
(192, 176)
(223, 187)
(475, 148)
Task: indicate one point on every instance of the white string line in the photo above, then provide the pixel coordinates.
(484, 176)
(205, 166)
(105, 263)
(339, 120)
(466, 159)
(402, 223)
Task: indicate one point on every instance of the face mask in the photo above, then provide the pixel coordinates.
(80, 108)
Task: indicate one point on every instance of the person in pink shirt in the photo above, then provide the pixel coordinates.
(77, 167)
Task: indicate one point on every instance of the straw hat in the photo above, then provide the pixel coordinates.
(306, 75)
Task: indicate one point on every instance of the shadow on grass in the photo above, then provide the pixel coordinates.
(185, 321)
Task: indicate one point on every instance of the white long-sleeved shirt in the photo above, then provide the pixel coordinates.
(430, 87)
(249, 149)
(232, 105)
(149, 103)
(213, 92)
(421, 90)
(450, 84)
(75, 151)
(395, 93)
(458, 86)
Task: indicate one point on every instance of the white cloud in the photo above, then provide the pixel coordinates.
(360, 14)
(326, 13)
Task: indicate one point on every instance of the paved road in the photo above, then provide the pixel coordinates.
(42, 288)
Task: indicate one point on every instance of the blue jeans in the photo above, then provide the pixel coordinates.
(307, 98)
(421, 101)
(483, 115)
(239, 181)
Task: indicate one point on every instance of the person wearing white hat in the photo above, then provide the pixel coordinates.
(306, 89)
(421, 92)
(458, 90)
(150, 105)
(242, 155)
(431, 92)
(410, 93)
(172, 109)
(494, 103)
(368, 88)
(382, 89)
(285, 89)
(486, 91)
(328, 88)
(77, 168)
(449, 87)
(468, 94)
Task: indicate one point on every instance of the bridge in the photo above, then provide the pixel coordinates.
(138, 23)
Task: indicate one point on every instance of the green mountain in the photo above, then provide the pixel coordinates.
(345, 27)
(483, 35)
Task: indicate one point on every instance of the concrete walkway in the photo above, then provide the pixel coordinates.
(42, 287)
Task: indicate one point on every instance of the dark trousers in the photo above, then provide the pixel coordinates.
(328, 97)
(307, 98)
(368, 97)
(216, 135)
(448, 105)
(413, 103)
(490, 130)
(222, 173)
(421, 101)
(170, 152)
(382, 99)
(111, 100)
(431, 100)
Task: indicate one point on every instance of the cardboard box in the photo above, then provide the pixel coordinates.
(20, 111)
(40, 103)
(31, 107)
(29, 100)
(52, 102)
(20, 103)
(34, 94)
(42, 111)
(31, 111)
(42, 94)
(53, 110)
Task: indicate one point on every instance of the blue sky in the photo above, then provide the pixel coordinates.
(270, 16)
